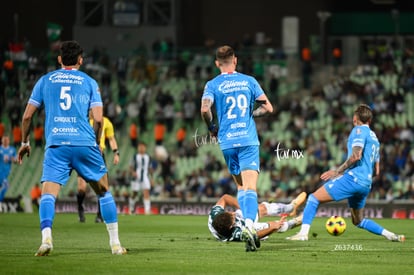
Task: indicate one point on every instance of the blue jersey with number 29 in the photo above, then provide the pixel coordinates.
(362, 136)
(234, 95)
(67, 96)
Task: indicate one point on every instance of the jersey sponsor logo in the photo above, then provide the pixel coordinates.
(238, 125)
(236, 134)
(57, 130)
(63, 77)
(330, 185)
(253, 163)
(232, 86)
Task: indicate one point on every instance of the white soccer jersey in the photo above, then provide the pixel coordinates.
(141, 163)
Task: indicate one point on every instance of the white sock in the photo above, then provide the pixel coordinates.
(387, 234)
(113, 233)
(132, 205)
(274, 209)
(147, 206)
(46, 234)
(249, 223)
(304, 230)
(284, 228)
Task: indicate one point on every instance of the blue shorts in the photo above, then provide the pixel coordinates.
(242, 158)
(345, 187)
(59, 161)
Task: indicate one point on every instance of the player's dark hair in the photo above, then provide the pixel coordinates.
(224, 54)
(364, 113)
(70, 52)
(223, 223)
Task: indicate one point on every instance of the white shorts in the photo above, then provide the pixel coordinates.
(138, 186)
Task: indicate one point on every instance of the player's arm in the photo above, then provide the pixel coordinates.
(114, 146)
(355, 156)
(376, 169)
(227, 200)
(265, 106)
(207, 115)
(273, 226)
(26, 122)
(97, 116)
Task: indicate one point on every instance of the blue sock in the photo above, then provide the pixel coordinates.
(108, 208)
(310, 210)
(240, 199)
(47, 210)
(251, 205)
(371, 226)
(3, 189)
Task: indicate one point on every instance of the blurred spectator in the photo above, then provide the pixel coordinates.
(2, 128)
(133, 134)
(35, 195)
(17, 135)
(180, 136)
(159, 132)
(38, 132)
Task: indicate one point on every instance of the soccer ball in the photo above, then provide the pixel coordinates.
(335, 225)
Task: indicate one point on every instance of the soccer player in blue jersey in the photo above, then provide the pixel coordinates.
(7, 157)
(67, 95)
(234, 95)
(352, 180)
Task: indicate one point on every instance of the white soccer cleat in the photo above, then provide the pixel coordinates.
(45, 248)
(398, 238)
(251, 239)
(118, 250)
(298, 220)
(298, 201)
(298, 237)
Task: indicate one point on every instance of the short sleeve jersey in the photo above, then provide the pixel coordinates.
(141, 164)
(234, 95)
(5, 166)
(364, 137)
(237, 228)
(107, 131)
(67, 96)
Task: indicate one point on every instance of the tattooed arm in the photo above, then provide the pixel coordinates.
(207, 116)
(265, 106)
(355, 156)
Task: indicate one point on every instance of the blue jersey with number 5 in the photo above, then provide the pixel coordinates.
(363, 136)
(234, 95)
(67, 96)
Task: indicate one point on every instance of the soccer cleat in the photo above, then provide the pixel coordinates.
(251, 239)
(81, 216)
(45, 248)
(398, 238)
(98, 219)
(298, 237)
(298, 201)
(118, 250)
(298, 220)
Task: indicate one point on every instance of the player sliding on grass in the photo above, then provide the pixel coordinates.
(234, 95)
(228, 226)
(352, 180)
(67, 95)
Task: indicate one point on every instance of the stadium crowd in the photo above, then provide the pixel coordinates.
(140, 91)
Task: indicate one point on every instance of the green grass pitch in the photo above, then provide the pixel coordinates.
(183, 245)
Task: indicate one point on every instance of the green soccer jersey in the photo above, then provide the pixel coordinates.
(236, 232)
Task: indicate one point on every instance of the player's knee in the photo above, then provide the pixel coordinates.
(312, 200)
